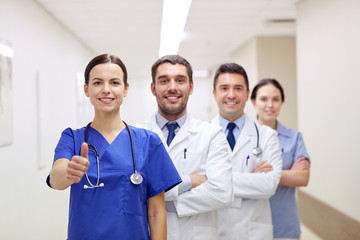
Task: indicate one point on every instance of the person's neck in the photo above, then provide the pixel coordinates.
(271, 124)
(172, 117)
(108, 125)
(232, 118)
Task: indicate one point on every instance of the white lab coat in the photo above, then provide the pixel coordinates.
(207, 153)
(249, 216)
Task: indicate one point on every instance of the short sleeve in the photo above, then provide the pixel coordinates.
(300, 150)
(162, 173)
(66, 145)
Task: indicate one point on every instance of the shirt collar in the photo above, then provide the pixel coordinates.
(238, 122)
(161, 121)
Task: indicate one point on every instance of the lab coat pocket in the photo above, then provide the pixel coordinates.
(194, 162)
(135, 198)
(251, 163)
(208, 233)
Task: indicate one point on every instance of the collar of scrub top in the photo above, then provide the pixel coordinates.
(238, 122)
(161, 122)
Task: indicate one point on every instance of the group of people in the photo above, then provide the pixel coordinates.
(175, 177)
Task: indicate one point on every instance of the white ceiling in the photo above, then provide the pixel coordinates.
(130, 29)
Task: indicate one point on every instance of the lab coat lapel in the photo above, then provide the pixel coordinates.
(245, 136)
(185, 131)
(152, 126)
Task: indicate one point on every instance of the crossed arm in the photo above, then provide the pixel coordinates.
(298, 175)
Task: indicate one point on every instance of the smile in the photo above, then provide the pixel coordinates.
(230, 103)
(172, 98)
(106, 99)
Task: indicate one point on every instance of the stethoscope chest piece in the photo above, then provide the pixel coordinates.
(136, 178)
(256, 151)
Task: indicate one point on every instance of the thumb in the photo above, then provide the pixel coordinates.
(84, 150)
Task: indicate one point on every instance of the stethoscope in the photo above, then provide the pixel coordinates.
(257, 150)
(135, 178)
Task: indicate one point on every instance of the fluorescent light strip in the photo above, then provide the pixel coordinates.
(173, 23)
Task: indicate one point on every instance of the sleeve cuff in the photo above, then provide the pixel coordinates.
(48, 181)
(185, 185)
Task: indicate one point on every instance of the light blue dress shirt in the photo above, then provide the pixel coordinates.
(237, 130)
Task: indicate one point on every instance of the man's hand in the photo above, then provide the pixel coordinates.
(197, 179)
(263, 167)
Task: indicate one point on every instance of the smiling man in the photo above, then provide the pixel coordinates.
(198, 149)
(256, 174)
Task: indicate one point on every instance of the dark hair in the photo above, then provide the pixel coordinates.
(231, 68)
(173, 59)
(267, 81)
(105, 58)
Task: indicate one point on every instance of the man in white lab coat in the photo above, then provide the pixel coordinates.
(199, 151)
(255, 176)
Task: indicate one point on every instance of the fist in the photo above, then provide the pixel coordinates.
(78, 165)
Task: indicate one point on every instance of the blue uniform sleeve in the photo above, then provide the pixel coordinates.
(66, 145)
(162, 173)
(64, 149)
(300, 150)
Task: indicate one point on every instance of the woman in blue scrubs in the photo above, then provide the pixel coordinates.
(268, 97)
(104, 202)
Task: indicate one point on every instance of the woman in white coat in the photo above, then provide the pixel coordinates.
(255, 177)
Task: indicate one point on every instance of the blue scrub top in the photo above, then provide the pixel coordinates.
(283, 204)
(119, 209)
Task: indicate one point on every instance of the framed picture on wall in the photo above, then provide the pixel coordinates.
(6, 92)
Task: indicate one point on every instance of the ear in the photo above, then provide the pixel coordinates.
(214, 94)
(126, 89)
(191, 87)
(86, 90)
(248, 94)
(153, 90)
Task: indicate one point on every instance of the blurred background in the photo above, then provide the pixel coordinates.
(310, 46)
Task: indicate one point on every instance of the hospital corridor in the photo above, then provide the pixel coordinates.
(311, 47)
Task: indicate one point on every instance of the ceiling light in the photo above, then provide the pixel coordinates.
(172, 27)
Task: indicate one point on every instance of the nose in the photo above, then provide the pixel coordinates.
(172, 85)
(231, 93)
(106, 88)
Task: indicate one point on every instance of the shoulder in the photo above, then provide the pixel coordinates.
(73, 132)
(202, 127)
(263, 129)
(139, 130)
(143, 134)
(149, 123)
(286, 132)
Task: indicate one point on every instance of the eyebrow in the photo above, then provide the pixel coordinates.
(227, 85)
(165, 76)
(101, 79)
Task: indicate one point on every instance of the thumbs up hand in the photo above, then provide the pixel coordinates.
(78, 165)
